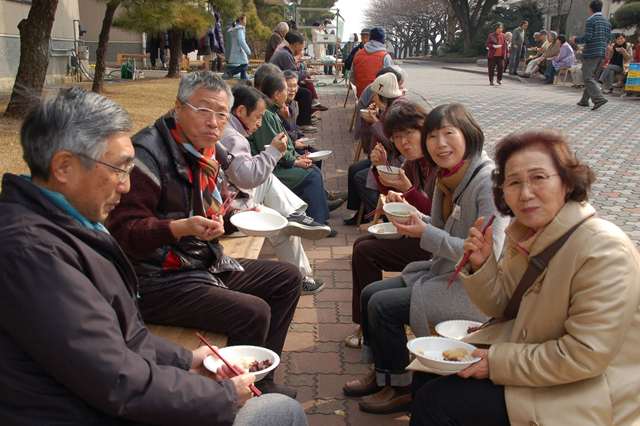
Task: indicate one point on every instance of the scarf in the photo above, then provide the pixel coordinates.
(204, 175)
(447, 182)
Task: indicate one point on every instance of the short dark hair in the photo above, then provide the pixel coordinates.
(247, 96)
(498, 25)
(263, 71)
(290, 75)
(293, 25)
(404, 116)
(524, 21)
(575, 175)
(458, 116)
(365, 31)
(562, 38)
(272, 84)
(294, 37)
(595, 6)
(616, 35)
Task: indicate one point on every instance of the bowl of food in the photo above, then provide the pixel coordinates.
(390, 173)
(258, 224)
(442, 354)
(384, 231)
(456, 329)
(320, 155)
(400, 212)
(256, 360)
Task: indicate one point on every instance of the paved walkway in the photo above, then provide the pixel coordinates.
(315, 361)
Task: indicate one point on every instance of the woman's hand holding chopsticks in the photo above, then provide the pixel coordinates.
(479, 244)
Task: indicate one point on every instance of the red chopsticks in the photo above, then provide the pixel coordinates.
(467, 255)
(237, 372)
(226, 204)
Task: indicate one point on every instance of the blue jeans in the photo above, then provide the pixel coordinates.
(549, 73)
(232, 70)
(271, 410)
(311, 190)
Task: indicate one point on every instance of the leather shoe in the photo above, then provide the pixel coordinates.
(599, 104)
(389, 400)
(269, 386)
(334, 204)
(360, 387)
(583, 104)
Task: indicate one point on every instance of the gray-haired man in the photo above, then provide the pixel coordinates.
(168, 224)
(73, 347)
(276, 39)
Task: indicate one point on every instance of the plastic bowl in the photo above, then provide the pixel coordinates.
(384, 231)
(320, 155)
(455, 329)
(429, 350)
(258, 224)
(400, 212)
(242, 354)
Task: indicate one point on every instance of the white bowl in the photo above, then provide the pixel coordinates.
(455, 329)
(400, 212)
(390, 173)
(429, 350)
(241, 353)
(384, 231)
(320, 155)
(258, 224)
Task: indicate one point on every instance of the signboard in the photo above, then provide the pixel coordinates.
(633, 78)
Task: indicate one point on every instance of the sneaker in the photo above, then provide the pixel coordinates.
(311, 285)
(333, 233)
(334, 204)
(597, 105)
(304, 226)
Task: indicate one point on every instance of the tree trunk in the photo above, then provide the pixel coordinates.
(175, 52)
(452, 22)
(35, 33)
(103, 42)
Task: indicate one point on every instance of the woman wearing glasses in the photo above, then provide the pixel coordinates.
(568, 355)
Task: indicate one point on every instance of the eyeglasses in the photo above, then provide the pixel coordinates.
(122, 173)
(205, 113)
(534, 182)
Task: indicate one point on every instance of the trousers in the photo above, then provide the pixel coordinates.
(255, 309)
(311, 190)
(590, 67)
(274, 195)
(496, 62)
(452, 400)
(357, 191)
(372, 256)
(271, 409)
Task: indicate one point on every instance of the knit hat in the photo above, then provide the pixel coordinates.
(387, 86)
(377, 34)
(365, 31)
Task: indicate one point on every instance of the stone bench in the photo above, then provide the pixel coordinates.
(242, 247)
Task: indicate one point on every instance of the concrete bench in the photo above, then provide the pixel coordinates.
(242, 247)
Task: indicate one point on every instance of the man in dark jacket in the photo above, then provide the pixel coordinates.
(169, 223)
(73, 347)
(276, 38)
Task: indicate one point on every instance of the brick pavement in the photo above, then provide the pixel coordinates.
(315, 361)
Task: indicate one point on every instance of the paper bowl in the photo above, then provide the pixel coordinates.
(428, 350)
(455, 329)
(320, 155)
(384, 231)
(242, 354)
(258, 224)
(400, 212)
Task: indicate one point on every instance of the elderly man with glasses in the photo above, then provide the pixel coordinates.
(169, 223)
(73, 347)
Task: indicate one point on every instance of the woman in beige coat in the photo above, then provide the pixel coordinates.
(570, 356)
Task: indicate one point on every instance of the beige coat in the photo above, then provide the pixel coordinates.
(572, 355)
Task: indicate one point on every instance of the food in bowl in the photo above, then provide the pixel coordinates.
(456, 354)
(400, 212)
(389, 172)
(252, 365)
(430, 353)
(384, 231)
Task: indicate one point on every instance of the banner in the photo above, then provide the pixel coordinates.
(633, 78)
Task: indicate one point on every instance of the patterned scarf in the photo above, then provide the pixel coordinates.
(447, 182)
(204, 175)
